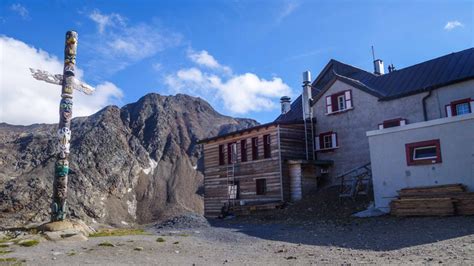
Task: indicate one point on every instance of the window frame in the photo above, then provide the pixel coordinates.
(450, 108)
(332, 102)
(262, 184)
(320, 141)
(410, 150)
(229, 152)
(243, 150)
(255, 148)
(221, 154)
(400, 121)
(267, 148)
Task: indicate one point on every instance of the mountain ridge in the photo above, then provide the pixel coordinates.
(133, 164)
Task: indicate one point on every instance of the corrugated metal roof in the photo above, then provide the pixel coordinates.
(431, 74)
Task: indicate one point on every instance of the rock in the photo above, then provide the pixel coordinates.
(138, 248)
(135, 164)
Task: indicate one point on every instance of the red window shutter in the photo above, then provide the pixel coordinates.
(321, 141)
(328, 104)
(335, 105)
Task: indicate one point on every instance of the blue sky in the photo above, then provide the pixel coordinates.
(241, 56)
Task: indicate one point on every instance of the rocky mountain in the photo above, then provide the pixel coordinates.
(133, 164)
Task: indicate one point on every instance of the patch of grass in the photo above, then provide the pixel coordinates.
(185, 235)
(160, 240)
(106, 244)
(71, 253)
(5, 239)
(28, 243)
(118, 232)
(138, 249)
(4, 246)
(8, 259)
(3, 252)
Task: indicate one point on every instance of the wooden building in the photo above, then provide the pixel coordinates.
(257, 166)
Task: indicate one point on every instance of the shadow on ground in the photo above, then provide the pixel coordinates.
(377, 234)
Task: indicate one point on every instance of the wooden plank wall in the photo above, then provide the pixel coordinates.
(292, 144)
(215, 180)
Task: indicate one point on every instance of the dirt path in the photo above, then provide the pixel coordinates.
(243, 241)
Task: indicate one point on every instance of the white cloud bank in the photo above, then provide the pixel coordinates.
(450, 25)
(240, 94)
(25, 100)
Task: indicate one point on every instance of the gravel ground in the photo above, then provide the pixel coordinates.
(252, 241)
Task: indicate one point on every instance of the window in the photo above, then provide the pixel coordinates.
(460, 107)
(393, 123)
(221, 155)
(267, 152)
(231, 153)
(326, 141)
(233, 190)
(261, 188)
(255, 148)
(243, 150)
(424, 152)
(339, 102)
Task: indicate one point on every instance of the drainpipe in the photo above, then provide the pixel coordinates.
(425, 113)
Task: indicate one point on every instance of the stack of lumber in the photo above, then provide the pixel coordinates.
(444, 200)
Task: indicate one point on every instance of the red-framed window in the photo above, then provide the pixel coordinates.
(243, 150)
(393, 123)
(221, 155)
(255, 148)
(267, 151)
(326, 141)
(460, 107)
(423, 152)
(231, 152)
(339, 102)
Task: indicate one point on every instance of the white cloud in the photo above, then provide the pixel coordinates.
(287, 10)
(25, 100)
(117, 44)
(157, 66)
(103, 21)
(239, 94)
(20, 10)
(450, 25)
(203, 58)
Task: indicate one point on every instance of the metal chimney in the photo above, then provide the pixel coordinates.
(306, 95)
(285, 104)
(378, 67)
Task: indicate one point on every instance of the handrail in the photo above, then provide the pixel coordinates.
(352, 170)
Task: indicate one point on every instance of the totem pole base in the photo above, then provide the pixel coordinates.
(73, 230)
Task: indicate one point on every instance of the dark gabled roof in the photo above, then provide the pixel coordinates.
(428, 75)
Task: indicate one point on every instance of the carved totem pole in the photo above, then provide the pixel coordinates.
(68, 82)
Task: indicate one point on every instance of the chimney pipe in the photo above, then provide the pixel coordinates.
(378, 67)
(306, 95)
(285, 104)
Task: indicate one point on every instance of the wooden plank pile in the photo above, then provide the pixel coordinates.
(444, 200)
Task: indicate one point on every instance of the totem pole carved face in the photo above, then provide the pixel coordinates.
(64, 135)
(62, 168)
(70, 53)
(65, 110)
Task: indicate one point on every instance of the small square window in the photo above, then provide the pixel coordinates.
(462, 108)
(424, 152)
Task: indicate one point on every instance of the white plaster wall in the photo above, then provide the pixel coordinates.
(389, 167)
(435, 104)
(351, 126)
